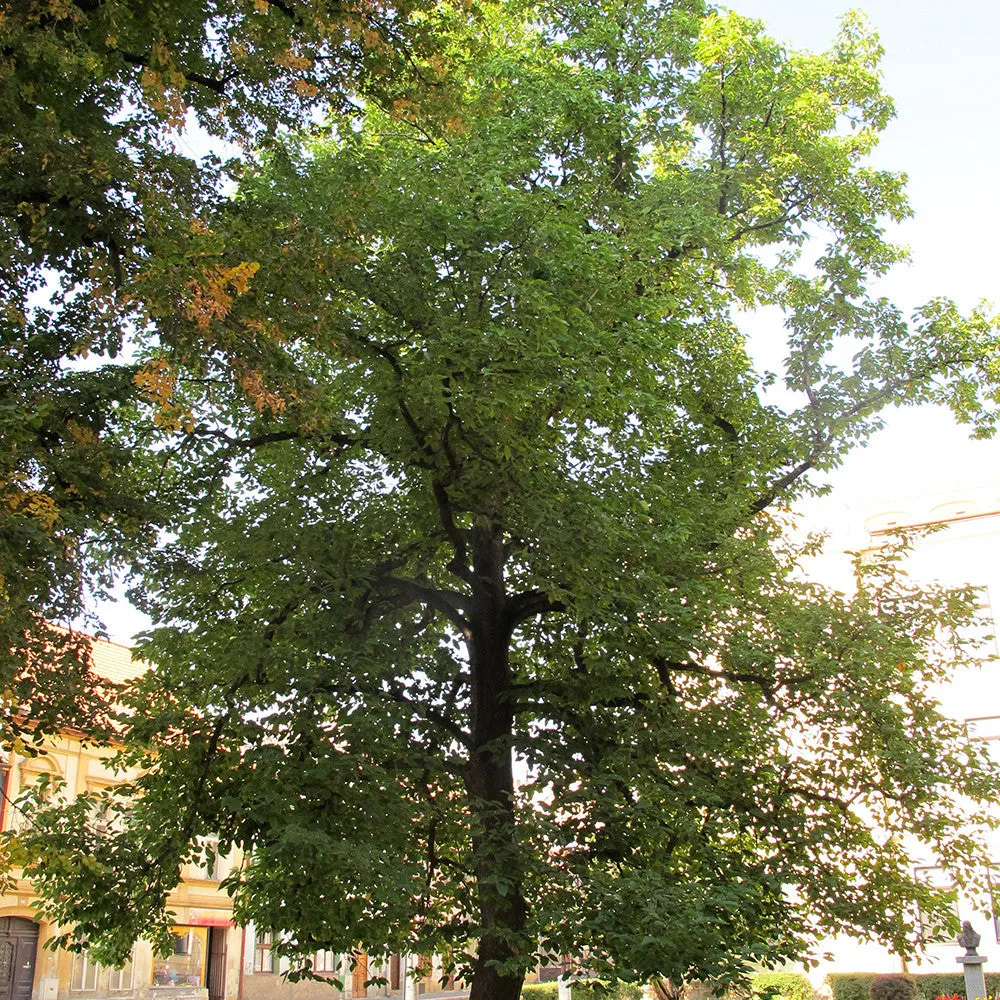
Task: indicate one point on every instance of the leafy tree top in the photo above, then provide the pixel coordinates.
(103, 104)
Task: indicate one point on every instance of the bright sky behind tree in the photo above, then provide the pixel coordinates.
(942, 69)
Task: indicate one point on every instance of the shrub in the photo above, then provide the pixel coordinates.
(597, 990)
(895, 986)
(850, 985)
(856, 985)
(781, 986)
(949, 984)
(540, 991)
(584, 990)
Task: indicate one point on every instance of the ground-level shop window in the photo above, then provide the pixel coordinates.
(84, 975)
(263, 958)
(186, 966)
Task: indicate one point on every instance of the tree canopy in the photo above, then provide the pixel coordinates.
(470, 474)
(105, 106)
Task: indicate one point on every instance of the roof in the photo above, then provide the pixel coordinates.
(114, 661)
(110, 660)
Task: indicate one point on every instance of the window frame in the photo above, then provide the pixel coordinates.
(82, 960)
(327, 962)
(129, 967)
(263, 941)
(927, 935)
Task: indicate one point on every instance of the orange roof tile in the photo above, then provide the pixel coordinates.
(114, 661)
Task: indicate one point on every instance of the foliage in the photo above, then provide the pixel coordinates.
(469, 468)
(583, 990)
(599, 990)
(856, 985)
(850, 985)
(100, 198)
(64, 484)
(934, 984)
(781, 986)
(894, 986)
(540, 991)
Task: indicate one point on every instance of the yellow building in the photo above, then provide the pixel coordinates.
(206, 963)
(962, 548)
(212, 960)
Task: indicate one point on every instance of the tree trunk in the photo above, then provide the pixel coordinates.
(490, 780)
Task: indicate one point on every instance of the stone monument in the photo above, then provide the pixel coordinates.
(971, 962)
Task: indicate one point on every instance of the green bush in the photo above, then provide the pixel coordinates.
(781, 986)
(894, 986)
(949, 984)
(584, 990)
(944, 984)
(540, 991)
(850, 985)
(857, 985)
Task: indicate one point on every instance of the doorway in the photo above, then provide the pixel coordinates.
(18, 945)
(216, 964)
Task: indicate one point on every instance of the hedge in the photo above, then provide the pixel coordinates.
(584, 991)
(855, 985)
(781, 986)
(540, 991)
(850, 985)
(894, 986)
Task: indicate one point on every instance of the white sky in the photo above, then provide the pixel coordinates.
(941, 66)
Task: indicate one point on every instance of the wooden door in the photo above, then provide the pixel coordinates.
(18, 945)
(216, 963)
(359, 978)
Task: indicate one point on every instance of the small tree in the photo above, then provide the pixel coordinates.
(897, 986)
(472, 473)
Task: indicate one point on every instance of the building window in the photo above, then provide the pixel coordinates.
(263, 957)
(186, 966)
(933, 929)
(120, 980)
(211, 865)
(993, 883)
(326, 961)
(986, 729)
(84, 975)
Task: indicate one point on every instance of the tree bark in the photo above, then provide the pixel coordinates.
(489, 778)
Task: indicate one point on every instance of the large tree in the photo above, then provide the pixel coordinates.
(472, 472)
(104, 172)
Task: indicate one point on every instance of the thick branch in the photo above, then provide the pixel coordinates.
(402, 592)
(665, 667)
(404, 410)
(233, 444)
(216, 85)
(458, 537)
(530, 603)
